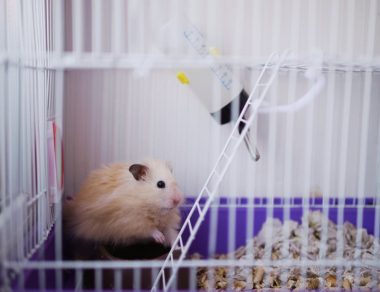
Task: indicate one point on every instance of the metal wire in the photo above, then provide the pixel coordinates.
(95, 73)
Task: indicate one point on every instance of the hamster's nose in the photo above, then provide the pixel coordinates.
(176, 201)
(177, 198)
(176, 195)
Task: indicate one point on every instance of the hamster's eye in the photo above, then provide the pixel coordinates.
(161, 184)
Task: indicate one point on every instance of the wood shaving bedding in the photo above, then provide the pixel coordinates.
(291, 233)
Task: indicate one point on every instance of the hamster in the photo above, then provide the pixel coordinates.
(125, 204)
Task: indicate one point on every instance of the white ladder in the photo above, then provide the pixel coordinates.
(212, 183)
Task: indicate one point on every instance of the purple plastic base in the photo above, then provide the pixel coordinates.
(261, 213)
(348, 208)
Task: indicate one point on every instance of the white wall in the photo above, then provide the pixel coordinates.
(113, 115)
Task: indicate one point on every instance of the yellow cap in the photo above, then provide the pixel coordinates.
(183, 78)
(214, 51)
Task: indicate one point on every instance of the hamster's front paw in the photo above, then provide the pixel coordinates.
(158, 236)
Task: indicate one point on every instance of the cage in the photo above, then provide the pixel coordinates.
(268, 111)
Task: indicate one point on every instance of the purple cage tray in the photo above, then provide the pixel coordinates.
(348, 209)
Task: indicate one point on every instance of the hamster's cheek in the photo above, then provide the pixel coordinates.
(167, 202)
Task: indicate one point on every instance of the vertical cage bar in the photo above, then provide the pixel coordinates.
(118, 33)
(21, 280)
(368, 80)
(58, 241)
(96, 26)
(78, 279)
(309, 139)
(290, 120)
(363, 162)
(270, 181)
(193, 279)
(372, 33)
(77, 33)
(328, 129)
(41, 280)
(118, 279)
(98, 278)
(210, 30)
(137, 279)
(251, 180)
(236, 87)
(343, 155)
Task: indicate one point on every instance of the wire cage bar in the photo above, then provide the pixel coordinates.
(89, 82)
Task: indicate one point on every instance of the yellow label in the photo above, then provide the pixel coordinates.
(183, 78)
(214, 51)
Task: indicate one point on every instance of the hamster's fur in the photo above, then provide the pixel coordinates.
(126, 203)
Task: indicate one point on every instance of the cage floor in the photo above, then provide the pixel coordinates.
(231, 217)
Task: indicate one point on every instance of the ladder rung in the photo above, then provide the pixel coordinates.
(234, 137)
(217, 174)
(247, 115)
(262, 84)
(207, 191)
(231, 146)
(253, 102)
(233, 141)
(244, 121)
(225, 155)
(181, 243)
(190, 227)
(209, 185)
(199, 208)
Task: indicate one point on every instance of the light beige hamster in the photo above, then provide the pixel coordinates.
(124, 204)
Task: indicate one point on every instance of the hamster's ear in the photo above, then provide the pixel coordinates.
(138, 171)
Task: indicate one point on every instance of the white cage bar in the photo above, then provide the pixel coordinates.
(88, 82)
